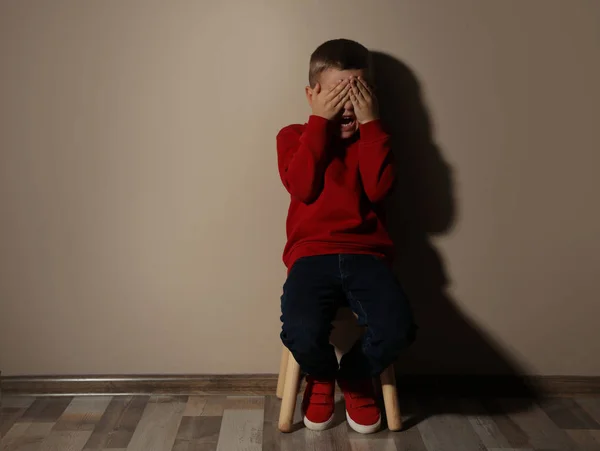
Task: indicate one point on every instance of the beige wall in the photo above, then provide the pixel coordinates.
(143, 217)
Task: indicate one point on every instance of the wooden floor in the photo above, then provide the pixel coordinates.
(204, 423)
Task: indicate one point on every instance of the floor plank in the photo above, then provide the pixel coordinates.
(214, 406)
(157, 429)
(271, 435)
(586, 440)
(12, 409)
(245, 403)
(409, 439)
(516, 437)
(591, 406)
(195, 406)
(541, 431)
(334, 439)
(46, 409)
(197, 433)
(16, 431)
(118, 423)
(568, 414)
(21, 402)
(511, 449)
(448, 430)
(485, 427)
(63, 440)
(82, 414)
(249, 423)
(25, 436)
(373, 445)
(242, 425)
(295, 440)
(8, 417)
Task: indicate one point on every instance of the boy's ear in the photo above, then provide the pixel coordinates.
(309, 92)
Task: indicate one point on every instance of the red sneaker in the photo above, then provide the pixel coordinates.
(318, 403)
(362, 412)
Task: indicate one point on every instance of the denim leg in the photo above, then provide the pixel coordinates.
(381, 305)
(310, 298)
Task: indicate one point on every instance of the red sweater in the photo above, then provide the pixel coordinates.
(335, 188)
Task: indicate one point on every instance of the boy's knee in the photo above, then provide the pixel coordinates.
(400, 338)
(397, 338)
(394, 338)
(304, 337)
(400, 328)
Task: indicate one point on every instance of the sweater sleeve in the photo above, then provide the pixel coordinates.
(375, 161)
(302, 159)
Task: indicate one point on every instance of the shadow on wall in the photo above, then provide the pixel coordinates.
(422, 205)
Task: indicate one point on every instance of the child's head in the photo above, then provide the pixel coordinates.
(336, 60)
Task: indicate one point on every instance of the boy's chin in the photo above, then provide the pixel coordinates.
(345, 133)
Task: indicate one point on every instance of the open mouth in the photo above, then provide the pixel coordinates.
(348, 122)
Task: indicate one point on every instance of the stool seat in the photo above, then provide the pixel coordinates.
(288, 381)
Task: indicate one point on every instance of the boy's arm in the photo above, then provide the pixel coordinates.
(374, 154)
(375, 161)
(302, 159)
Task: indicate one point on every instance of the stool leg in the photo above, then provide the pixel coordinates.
(282, 371)
(290, 393)
(390, 399)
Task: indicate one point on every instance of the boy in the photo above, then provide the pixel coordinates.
(338, 168)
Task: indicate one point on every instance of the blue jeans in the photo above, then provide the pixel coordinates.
(317, 286)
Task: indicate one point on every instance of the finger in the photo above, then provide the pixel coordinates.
(354, 100)
(365, 85)
(342, 95)
(342, 101)
(339, 106)
(357, 93)
(362, 89)
(315, 92)
(337, 89)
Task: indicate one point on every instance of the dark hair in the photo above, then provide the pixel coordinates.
(341, 54)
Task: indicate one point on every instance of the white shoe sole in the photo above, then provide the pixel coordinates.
(361, 428)
(317, 426)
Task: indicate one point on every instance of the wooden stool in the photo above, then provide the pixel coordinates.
(288, 384)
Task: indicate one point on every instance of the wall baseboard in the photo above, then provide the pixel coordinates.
(243, 384)
(265, 384)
